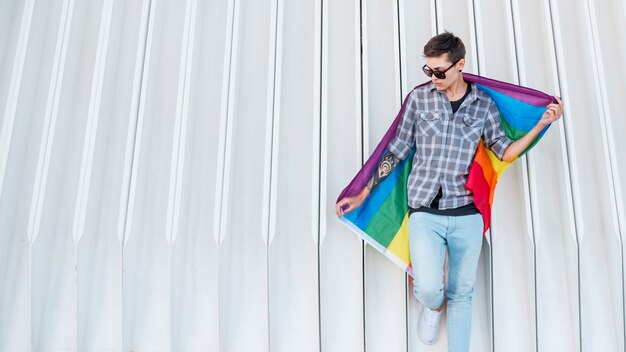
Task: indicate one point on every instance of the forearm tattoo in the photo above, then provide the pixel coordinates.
(385, 166)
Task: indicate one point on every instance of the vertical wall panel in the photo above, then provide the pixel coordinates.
(58, 207)
(195, 305)
(191, 260)
(511, 229)
(53, 303)
(293, 227)
(556, 252)
(385, 302)
(340, 251)
(14, 244)
(243, 272)
(102, 205)
(594, 202)
(610, 50)
(53, 311)
(417, 26)
(27, 136)
(147, 251)
(457, 16)
(11, 18)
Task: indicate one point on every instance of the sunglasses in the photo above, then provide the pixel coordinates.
(439, 74)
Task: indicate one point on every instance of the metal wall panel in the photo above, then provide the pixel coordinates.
(25, 122)
(600, 248)
(609, 46)
(168, 172)
(511, 229)
(340, 252)
(243, 252)
(551, 205)
(294, 191)
(52, 251)
(147, 254)
(384, 285)
(13, 40)
(195, 324)
(100, 204)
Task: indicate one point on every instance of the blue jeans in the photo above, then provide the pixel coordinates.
(428, 236)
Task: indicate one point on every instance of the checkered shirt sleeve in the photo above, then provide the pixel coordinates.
(404, 140)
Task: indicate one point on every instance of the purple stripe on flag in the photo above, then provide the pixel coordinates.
(525, 94)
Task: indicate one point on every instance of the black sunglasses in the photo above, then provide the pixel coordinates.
(439, 74)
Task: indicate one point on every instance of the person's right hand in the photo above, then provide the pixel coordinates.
(352, 202)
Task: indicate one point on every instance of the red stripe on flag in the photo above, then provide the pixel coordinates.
(477, 184)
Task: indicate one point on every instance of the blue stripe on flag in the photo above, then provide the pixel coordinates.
(362, 215)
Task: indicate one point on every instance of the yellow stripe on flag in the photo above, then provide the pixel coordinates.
(400, 243)
(498, 165)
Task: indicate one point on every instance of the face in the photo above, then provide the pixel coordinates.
(441, 63)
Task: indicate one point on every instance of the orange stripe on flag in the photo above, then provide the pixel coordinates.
(484, 160)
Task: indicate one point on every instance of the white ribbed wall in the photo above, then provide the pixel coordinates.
(168, 172)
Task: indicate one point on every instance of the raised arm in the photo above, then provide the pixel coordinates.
(516, 148)
(507, 149)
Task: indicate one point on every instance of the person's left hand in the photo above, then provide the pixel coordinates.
(553, 113)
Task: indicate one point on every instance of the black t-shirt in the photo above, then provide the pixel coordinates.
(434, 205)
(456, 104)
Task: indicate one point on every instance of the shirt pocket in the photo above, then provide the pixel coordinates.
(429, 123)
(471, 127)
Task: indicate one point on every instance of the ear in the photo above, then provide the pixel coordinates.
(461, 64)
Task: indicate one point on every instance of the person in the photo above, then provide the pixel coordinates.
(445, 120)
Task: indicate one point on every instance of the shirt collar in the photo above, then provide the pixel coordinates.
(473, 95)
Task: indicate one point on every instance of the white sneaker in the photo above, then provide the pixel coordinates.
(428, 326)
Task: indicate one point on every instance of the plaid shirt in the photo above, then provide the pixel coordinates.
(445, 143)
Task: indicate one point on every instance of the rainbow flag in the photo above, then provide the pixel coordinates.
(382, 219)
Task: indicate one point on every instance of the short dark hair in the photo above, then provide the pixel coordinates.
(445, 42)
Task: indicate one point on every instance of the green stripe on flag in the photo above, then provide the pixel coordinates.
(516, 134)
(388, 219)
